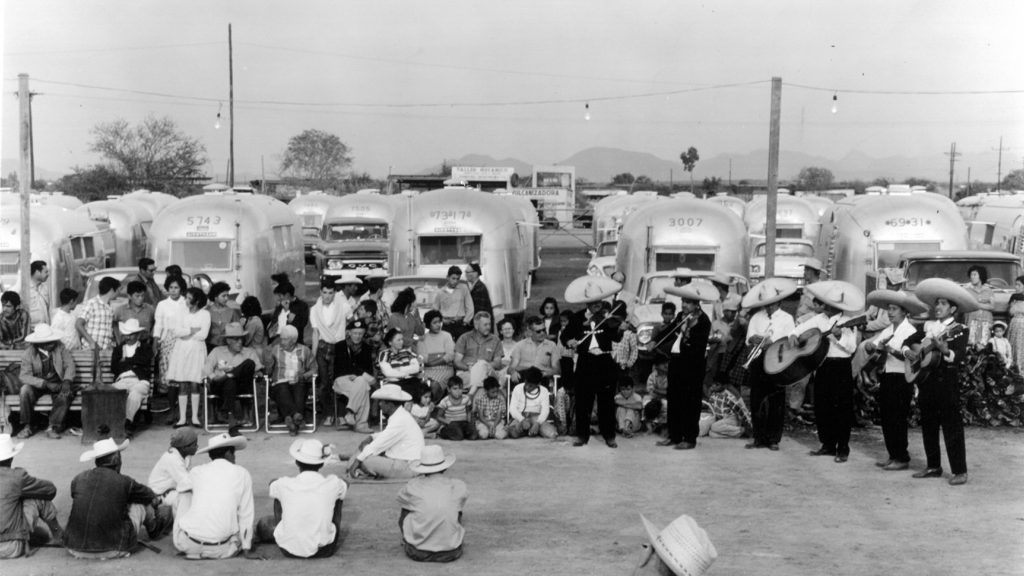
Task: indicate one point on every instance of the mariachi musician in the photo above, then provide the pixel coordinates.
(833, 380)
(768, 322)
(894, 392)
(687, 338)
(939, 390)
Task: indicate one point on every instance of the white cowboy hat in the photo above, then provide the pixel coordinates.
(310, 451)
(8, 449)
(347, 278)
(43, 334)
(768, 292)
(103, 448)
(908, 302)
(697, 290)
(838, 294)
(931, 289)
(234, 330)
(683, 546)
(223, 440)
(432, 459)
(587, 289)
(129, 326)
(814, 263)
(392, 392)
(687, 273)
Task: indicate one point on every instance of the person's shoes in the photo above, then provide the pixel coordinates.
(56, 536)
(894, 465)
(611, 443)
(773, 447)
(822, 452)
(752, 445)
(300, 421)
(579, 443)
(883, 464)
(958, 479)
(684, 445)
(74, 431)
(362, 429)
(840, 458)
(329, 421)
(290, 424)
(350, 419)
(53, 434)
(196, 424)
(181, 424)
(929, 473)
(665, 442)
(627, 434)
(26, 432)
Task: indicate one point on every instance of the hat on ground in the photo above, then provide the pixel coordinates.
(357, 323)
(454, 270)
(883, 298)
(182, 437)
(838, 294)
(129, 326)
(310, 451)
(682, 545)
(223, 440)
(814, 264)
(475, 267)
(102, 448)
(347, 278)
(931, 289)
(587, 289)
(699, 291)
(768, 292)
(43, 334)
(392, 392)
(996, 324)
(895, 276)
(234, 330)
(432, 459)
(731, 303)
(8, 449)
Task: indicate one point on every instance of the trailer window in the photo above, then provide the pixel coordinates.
(607, 248)
(449, 249)
(789, 232)
(786, 249)
(9, 262)
(672, 260)
(82, 247)
(347, 232)
(202, 254)
(888, 253)
(312, 221)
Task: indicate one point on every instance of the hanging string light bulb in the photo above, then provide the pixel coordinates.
(835, 103)
(586, 113)
(216, 124)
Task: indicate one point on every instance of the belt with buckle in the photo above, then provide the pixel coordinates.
(205, 543)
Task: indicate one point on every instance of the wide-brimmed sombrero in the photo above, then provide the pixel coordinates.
(838, 294)
(223, 440)
(696, 290)
(432, 459)
(42, 334)
(768, 292)
(931, 289)
(683, 546)
(883, 298)
(587, 289)
(102, 448)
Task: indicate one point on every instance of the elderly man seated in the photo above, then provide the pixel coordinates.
(390, 453)
(353, 378)
(529, 408)
(47, 368)
(132, 364)
(230, 368)
(291, 367)
(307, 507)
(478, 353)
(26, 506)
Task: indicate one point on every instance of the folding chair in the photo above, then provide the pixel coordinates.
(310, 425)
(208, 395)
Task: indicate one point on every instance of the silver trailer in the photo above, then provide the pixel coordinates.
(454, 226)
(237, 238)
(129, 221)
(794, 218)
(355, 233)
(156, 201)
(611, 212)
(733, 203)
(864, 233)
(528, 215)
(997, 223)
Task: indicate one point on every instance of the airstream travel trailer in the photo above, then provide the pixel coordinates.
(996, 223)
(311, 208)
(794, 217)
(355, 232)
(68, 243)
(820, 203)
(156, 201)
(610, 213)
(864, 233)
(233, 237)
(733, 203)
(58, 199)
(455, 226)
(531, 220)
(129, 221)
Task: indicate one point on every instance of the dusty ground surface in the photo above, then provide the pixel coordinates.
(540, 506)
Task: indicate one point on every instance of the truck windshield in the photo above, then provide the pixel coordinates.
(202, 254)
(889, 252)
(786, 249)
(449, 249)
(1000, 274)
(312, 220)
(607, 248)
(345, 232)
(672, 260)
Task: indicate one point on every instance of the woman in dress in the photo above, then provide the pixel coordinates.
(252, 323)
(979, 322)
(437, 349)
(507, 337)
(1016, 331)
(399, 364)
(166, 321)
(405, 317)
(552, 318)
(220, 314)
(185, 368)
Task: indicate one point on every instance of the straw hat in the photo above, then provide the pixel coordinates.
(347, 278)
(8, 449)
(694, 291)
(587, 289)
(102, 448)
(432, 459)
(883, 298)
(814, 264)
(310, 451)
(234, 330)
(223, 440)
(838, 294)
(768, 292)
(683, 546)
(392, 392)
(129, 326)
(43, 334)
(931, 289)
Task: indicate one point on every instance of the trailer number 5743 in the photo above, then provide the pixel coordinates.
(685, 222)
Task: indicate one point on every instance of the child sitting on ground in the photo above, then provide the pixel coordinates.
(454, 413)
(656, 408)
(1000, 345)
(627, 407)
(422, 412)
(732, 419)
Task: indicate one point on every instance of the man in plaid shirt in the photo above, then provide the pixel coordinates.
(489, 411)
(96, 324)
(732, 419)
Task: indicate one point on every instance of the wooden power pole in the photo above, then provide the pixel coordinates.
(773, 176)
(25, 184)
(952, 161)
(231, 112)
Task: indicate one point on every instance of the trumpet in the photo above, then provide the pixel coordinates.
(756, 352)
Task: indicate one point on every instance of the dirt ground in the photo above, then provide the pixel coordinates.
(539, 506)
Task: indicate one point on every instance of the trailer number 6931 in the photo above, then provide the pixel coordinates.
(685, 222)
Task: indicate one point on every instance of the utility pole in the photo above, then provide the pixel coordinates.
(730, 173)
(999, 169)
(231, 112)
(968, 180)
(952, 161)
(773, 176)
(25, 184)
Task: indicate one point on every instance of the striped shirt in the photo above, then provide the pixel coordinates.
(455, 410)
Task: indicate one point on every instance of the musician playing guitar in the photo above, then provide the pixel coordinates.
(833, 380)
(689, 336)
(939, 391)
(767, 402)
(894, 392)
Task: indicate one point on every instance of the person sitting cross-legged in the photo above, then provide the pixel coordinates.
(26, 506)
(489, 411)
(529, 408)
(628, 405)
(389, 453)
(307, 508)
(291, 367)
(454, 413)
(432, 504)
(172, 469)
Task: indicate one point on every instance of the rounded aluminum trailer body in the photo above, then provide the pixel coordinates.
(610, 213)
(129, 222)
(794, 217)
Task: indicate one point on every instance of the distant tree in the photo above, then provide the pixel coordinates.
(1013, 181)
(624, 178)
(928, 184)
(814, 178)
(154, 154)
(881, 182)
(317, 157)
(445, 169)
(689, 159)
(93, 183)
(710, 185)
(10, 181)
(643, 181)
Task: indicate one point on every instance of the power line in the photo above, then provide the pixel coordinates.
(906, 92)
(120, 49)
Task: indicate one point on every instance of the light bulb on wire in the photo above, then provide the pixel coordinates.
(586, 113)
(216, 124)
(835, 103)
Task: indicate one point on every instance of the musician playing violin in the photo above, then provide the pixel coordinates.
(591, 333)
(689, 339)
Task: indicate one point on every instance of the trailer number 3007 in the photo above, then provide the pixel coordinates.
(685, 222)
(203, 220)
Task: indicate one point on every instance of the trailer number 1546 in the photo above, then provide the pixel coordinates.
(685, 222)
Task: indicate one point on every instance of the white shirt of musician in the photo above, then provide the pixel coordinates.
(896, 335)
(595, 348)
(842, 347)
(779, 324)
(933, 328)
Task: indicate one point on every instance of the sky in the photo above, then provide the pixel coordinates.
(407, 84)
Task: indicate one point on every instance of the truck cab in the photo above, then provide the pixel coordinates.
(1003, 269)
(348, 244)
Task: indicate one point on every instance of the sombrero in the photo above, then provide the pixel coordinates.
(883, 298)
(392, 392)
(223, 440)
(8, 449)
(310, 451)
(103, 448)
(687, 273)
(931, 289)
(694, 291)
(838, 294)
(43, 334)
(683, 546)
(587, 289)
(347, 278)
(432, 459)
(768, 292)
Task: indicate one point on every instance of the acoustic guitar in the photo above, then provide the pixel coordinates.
(786, 363)
(928, 356)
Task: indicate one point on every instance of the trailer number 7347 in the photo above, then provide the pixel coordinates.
(685, 222)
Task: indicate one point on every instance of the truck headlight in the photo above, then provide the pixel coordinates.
(335, 264)
(594, 271)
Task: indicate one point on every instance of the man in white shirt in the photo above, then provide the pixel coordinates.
(215, 504)
(767, 324)
(530, 407)
(172, 467)
(307, 507)
(64, 321)
(327, 318)
(534, 352)
(389, 453)
(39, 294)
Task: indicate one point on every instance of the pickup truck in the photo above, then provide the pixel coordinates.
(1003, 269)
